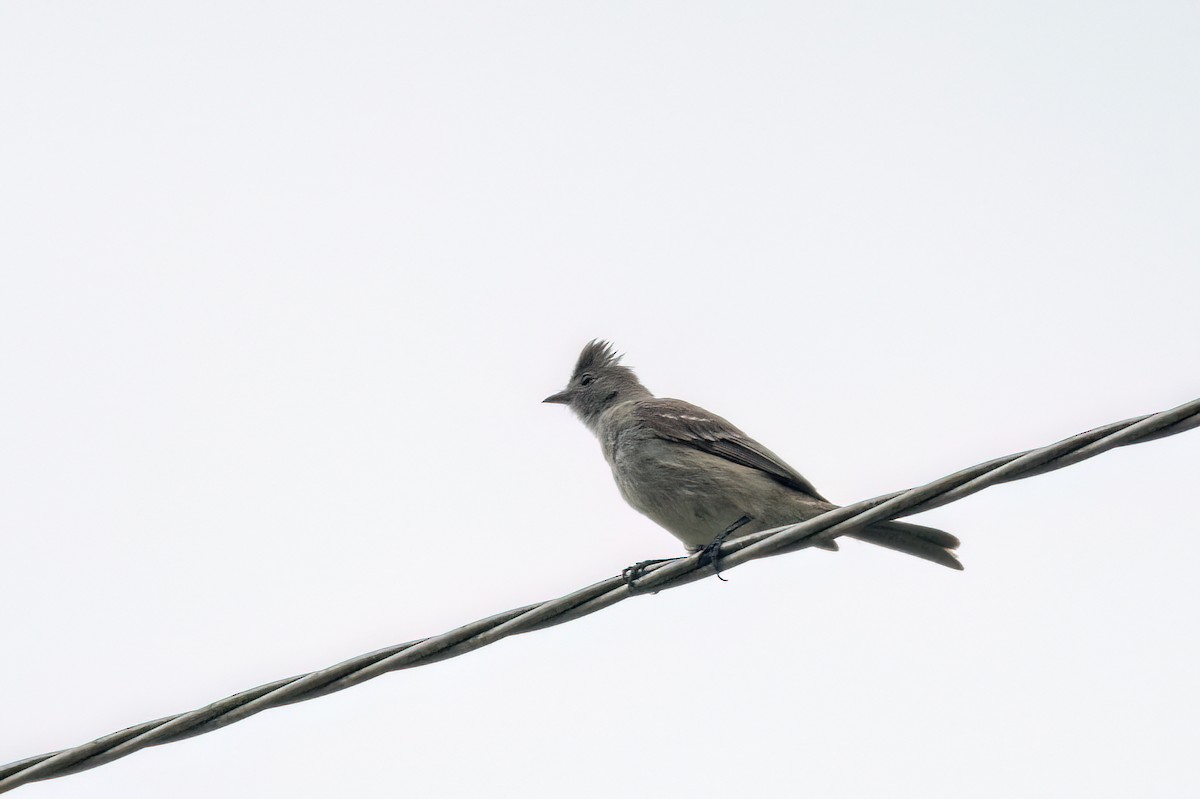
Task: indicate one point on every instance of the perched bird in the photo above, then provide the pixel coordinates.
(700, 477)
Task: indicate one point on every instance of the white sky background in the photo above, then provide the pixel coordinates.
(284, 285)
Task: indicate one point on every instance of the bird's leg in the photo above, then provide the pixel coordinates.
(637, 570)
(709, 553)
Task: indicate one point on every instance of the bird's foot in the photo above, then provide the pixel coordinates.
(710, 553)
(638, 570)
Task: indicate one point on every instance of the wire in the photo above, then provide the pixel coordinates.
(597, 596)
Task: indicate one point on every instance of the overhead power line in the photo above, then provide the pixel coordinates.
(600, 595)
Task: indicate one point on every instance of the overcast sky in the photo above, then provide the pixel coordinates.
(283, 285)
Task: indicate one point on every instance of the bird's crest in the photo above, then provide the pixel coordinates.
(596, 354)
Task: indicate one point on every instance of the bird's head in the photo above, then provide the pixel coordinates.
(598, 382)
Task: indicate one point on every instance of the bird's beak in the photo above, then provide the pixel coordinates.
(561, 398)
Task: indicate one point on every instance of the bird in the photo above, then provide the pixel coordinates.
(701, 478)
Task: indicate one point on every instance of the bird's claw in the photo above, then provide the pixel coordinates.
(708, 556)
(710, 553)
(638, 570)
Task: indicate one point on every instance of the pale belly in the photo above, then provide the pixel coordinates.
(697, 496)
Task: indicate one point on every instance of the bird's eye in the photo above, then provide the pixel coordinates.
(585, 380)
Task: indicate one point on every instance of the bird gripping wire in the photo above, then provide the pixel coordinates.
(598, 596)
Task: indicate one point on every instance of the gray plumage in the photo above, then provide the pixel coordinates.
(695, 473)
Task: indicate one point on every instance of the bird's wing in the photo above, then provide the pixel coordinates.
(676, 420)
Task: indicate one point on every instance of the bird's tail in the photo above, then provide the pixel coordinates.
(913, 539)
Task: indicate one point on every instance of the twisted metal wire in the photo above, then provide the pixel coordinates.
(598, 596)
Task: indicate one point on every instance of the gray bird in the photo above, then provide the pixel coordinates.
(700, 477)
